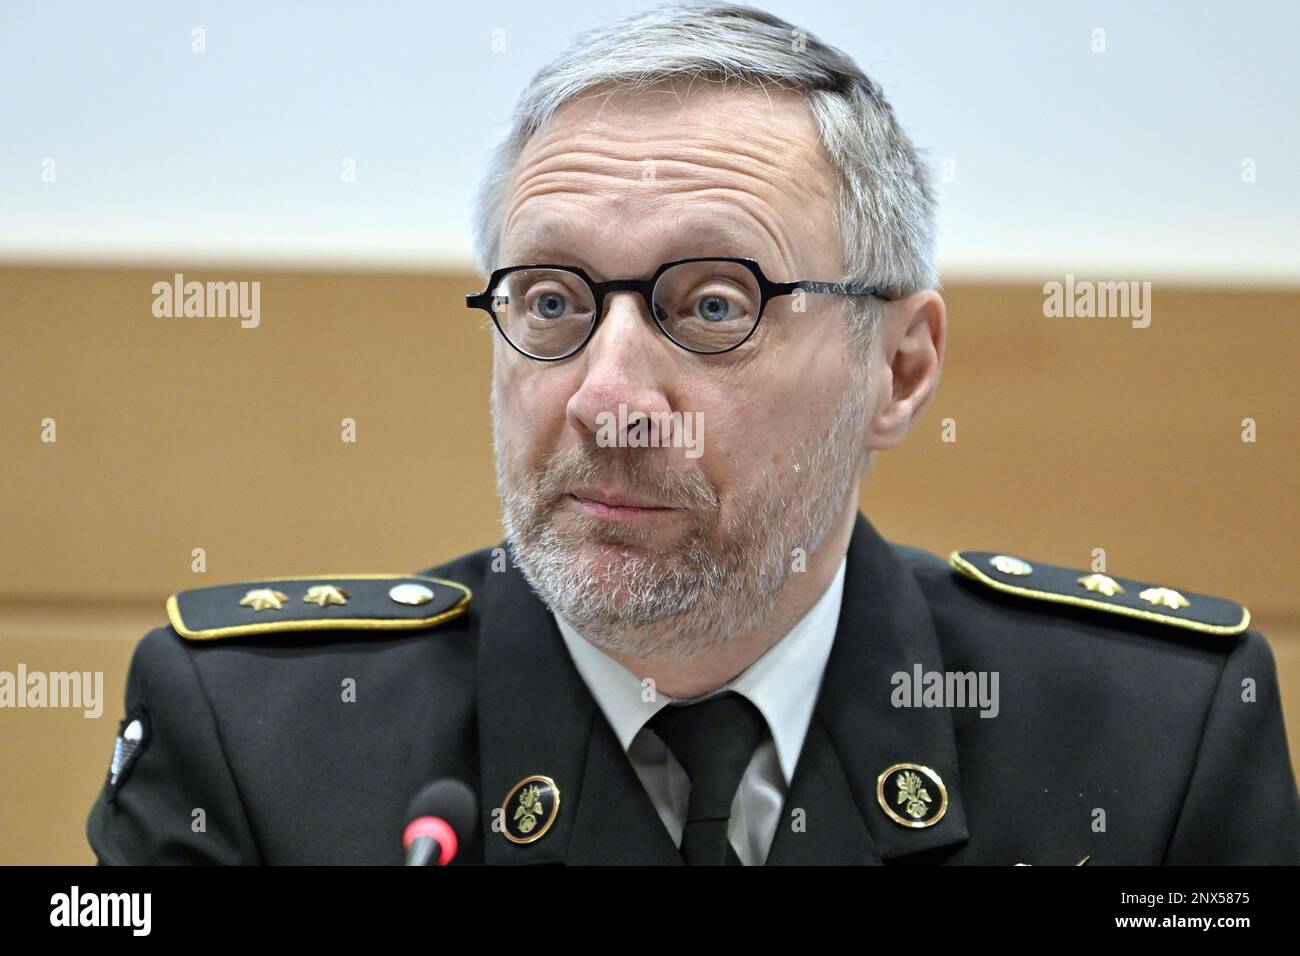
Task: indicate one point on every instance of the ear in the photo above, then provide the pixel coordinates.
(909, 356)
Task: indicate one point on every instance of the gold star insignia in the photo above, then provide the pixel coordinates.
(261, 599)
(1102, 584)
(322, 594)
(1164, 597)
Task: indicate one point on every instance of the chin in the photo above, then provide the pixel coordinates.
(609, 562)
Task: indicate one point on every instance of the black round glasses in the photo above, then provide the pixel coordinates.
(709, 305)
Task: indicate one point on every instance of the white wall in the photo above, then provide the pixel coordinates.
(1066, 159)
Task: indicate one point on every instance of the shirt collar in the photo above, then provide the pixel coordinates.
(782, 684)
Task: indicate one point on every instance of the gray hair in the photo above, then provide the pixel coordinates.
(885, 209)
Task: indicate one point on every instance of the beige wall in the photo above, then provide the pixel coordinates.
(175, 434)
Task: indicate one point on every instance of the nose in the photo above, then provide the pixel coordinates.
(627, 362)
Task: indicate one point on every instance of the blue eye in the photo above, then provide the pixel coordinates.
(712, 308)
(551, 305)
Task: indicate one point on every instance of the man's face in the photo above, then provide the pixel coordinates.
(619, 185)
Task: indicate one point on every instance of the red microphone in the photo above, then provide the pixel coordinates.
(442, 817)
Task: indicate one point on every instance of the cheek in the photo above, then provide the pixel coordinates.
(783, 426)
(747, 443)
(532, 406)
(507, 395)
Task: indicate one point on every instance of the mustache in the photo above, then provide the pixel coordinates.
(577, 467)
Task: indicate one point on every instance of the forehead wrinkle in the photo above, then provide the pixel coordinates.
(557, 174)
(770, 223)
(758, 196)
(758, 155)
(751, 233)
(553, 175)
(748, 143)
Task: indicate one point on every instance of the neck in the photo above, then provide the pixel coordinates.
(705, 674)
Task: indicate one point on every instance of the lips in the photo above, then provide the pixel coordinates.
(612, 499)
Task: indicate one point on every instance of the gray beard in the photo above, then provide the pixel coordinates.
(719, 582)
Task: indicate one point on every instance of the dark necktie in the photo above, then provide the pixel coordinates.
(713, 740)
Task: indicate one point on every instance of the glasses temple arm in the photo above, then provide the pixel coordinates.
(836, 288)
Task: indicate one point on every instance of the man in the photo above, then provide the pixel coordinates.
(692, 647)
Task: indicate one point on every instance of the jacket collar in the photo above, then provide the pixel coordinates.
(537, 717)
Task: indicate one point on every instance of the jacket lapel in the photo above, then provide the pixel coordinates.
(537, 717)
(830, 829)
(884, 628)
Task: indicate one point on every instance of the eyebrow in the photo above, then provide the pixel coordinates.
(719, 237)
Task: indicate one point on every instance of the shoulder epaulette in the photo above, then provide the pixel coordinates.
(348, 602)
(1102, 592)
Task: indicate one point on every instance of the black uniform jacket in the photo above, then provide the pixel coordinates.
(1121, 735)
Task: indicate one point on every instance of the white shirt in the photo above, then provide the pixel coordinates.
(782, 684)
